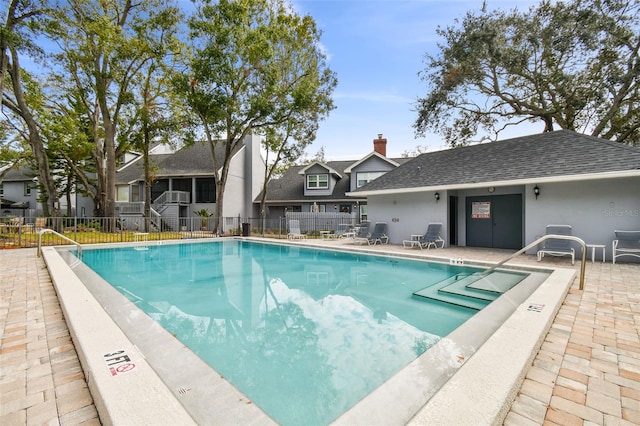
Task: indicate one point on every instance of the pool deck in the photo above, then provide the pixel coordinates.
(586, 372)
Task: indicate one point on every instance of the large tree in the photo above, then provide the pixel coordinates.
(21, 94)
(572, 65)
(105, 47)
(155, 120)
(256, 64)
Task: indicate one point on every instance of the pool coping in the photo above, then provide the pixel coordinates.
(137, 396)
(495, 392)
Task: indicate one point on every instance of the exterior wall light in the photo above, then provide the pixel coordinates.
(437, 195)
(536, 191)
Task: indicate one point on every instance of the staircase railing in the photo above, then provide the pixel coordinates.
(171, 197)
(156, 218)
(51, 231)
(544, 238)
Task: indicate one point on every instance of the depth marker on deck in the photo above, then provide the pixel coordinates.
(118, 362)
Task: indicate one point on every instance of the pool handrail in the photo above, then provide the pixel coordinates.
(538, 241)
(51, 231)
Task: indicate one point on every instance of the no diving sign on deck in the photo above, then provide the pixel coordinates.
(118, 362)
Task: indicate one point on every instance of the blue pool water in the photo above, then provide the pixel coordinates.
(305, 333)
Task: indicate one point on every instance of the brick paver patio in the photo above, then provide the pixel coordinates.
(587, 371)
(41, 381)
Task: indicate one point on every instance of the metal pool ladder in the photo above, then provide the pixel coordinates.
(51, 231)
(538, 241)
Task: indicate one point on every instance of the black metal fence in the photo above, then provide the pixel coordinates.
(23, 232)
(315, 224)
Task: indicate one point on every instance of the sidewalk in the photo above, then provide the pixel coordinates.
(587, 371)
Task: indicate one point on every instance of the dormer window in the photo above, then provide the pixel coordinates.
(318, 181)
(364, 178)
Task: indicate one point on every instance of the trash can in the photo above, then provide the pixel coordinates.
(246, 229)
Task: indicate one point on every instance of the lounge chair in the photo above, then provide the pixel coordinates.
(627, 243)
(341, 230)
(430, 238)
(557, 247)
(362, 233)
(377, 236)
(294, 230)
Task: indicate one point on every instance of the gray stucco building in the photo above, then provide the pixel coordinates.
(503, 194)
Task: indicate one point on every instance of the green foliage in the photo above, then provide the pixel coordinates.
(204, 213)
(256, 67)
(108, 51)
(22, 98)
(574, 65)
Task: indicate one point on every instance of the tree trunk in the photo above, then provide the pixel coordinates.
(50, 204)
(220, 183)
(110, 171)
(68, 195)
(147, 181)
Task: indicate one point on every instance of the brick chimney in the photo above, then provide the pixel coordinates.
(380, 145)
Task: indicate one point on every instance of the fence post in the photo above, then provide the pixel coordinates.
(75, 228)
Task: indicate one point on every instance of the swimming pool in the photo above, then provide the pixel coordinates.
(304, 333)
(209, 400)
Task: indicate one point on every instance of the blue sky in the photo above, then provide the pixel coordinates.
(377, 48)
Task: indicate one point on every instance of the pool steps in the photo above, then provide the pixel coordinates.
(474, 291)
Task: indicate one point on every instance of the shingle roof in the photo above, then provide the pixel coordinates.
(18, 175)
(546, 156)
(194, 160)
(290, 186)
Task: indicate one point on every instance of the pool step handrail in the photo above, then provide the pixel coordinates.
(544, 238)
(51, 231)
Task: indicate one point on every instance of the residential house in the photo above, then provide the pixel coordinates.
(185, 182)
(322, 187)
(19, 193)
(503, 194)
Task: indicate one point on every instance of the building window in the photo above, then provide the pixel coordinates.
(205, 190)
(366, 177)
(317, 181)
(1, 189)
(122, 193)
(363, 213)
(135, 193)
(182, 185)
(158, 188)
(27, 188)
